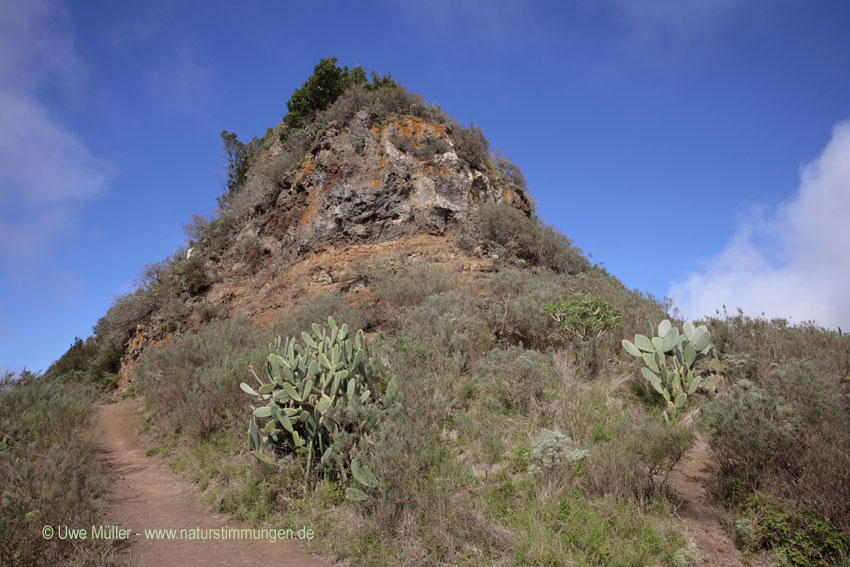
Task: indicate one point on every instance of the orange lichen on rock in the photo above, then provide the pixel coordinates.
(435, 169)
(312, 207)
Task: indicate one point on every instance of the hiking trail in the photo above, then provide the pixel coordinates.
(697, 516)
(144, 494)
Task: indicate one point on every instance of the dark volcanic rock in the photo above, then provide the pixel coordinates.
(380, 183)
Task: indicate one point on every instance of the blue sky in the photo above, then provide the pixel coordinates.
(699, 149)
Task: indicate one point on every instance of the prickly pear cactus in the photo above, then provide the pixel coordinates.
(684, 350)
(307, 382)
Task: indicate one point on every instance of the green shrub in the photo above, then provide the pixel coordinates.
(529, 239)
(236, 158)
(568, 528)
(762, 343)
(59, 486)
(549, 449)
(217, 235)
(120, 322)
(451, 331)
(802, 537)
(191, 384)
(586, 318)
(515, 306)
(471, 146)
(86, 362)
(512, 172)
(193, 275)
(747, 428)
(41, 410)
(813, 469)
(515, 378)
(78, 358)
(633, 455)
(686, 557)
(428, 148)
(320, 90)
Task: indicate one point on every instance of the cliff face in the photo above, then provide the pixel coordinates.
(376, 183)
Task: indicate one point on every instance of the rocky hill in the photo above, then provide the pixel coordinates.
(376, 184)
(378, 338)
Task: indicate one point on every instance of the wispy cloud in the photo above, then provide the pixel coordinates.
(478, 24)
(35, 45)
(182, 83)
(178, 79)
(681, 17)
(792, 263)
(46, 170)
(137, 29)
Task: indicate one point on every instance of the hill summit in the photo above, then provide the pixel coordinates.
(356, 169)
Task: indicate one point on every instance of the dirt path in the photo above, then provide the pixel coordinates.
(697, 517)
(145, 494)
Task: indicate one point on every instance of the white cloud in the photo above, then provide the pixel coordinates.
(794, 263)
(35, 45)
(46, 170)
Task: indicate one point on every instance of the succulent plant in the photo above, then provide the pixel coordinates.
(586, 318)
(307, 381)
(683, 349)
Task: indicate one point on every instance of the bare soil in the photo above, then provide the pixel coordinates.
(698, 517)
(145, 494)
(268, 294)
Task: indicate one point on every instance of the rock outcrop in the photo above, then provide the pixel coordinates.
(365, 183)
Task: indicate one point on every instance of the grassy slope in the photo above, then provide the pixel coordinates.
(483, 376)
(47, 473)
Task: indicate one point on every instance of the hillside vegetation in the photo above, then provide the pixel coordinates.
(48, 475)
(487, 414)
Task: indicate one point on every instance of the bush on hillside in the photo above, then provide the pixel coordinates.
(511, 171)
(785, 427)
(633, 456)
(530, 239)
(237, 161)
(747, 428)
(191, 383)
(320, 90)
(425, 510)
(471, 146)
(192, 274)
(799, 536)
(585, 318)
(85, 362)
(515, 378)
(515, 310)
(450, 331)
(761, 343)
(121, 320)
